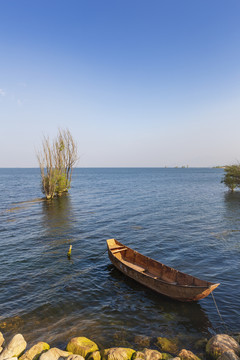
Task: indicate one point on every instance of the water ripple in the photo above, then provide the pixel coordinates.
(182, 217)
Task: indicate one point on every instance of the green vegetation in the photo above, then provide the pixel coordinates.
(56, 161)
(232, 177)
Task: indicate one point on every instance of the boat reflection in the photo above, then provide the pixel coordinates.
(160, 310)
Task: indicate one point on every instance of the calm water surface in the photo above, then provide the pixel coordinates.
(182, 217)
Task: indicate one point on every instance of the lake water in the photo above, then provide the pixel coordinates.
(184, 218)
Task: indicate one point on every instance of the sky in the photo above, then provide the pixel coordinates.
(139, 83)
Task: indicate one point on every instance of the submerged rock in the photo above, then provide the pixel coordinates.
(187, 355)
(81, 346)
(167, 345)
(200, 344)
(117, 354)
(55, 354)
(35, 351)
(143, 341)
(14, 348)
(221, 343)
(147, 354)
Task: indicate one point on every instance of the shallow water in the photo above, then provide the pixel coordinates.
(182, 217)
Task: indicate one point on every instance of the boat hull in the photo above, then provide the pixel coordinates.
(181, 292)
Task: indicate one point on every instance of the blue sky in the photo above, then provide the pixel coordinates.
(138, 83)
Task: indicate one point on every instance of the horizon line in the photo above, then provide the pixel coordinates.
(125, 167)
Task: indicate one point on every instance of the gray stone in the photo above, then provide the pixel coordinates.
(75, 357)
(14, 348)
(117, 354)
(147, 354)
(55, 354)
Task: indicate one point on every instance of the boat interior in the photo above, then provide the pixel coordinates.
(152, 268)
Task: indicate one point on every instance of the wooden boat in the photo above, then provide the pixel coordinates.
(157, 276)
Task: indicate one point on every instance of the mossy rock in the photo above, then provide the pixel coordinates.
(218, 344)
(81, 346)
(167, 345)
(117, 354)
(35, 351)
(187, 355)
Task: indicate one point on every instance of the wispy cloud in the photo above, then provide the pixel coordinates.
(2, 92)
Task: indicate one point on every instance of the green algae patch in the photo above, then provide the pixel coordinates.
(138, 355)
(166, 356)
(81, 346)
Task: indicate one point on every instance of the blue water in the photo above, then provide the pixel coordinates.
(184, 218)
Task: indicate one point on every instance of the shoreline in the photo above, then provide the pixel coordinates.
(218, 347)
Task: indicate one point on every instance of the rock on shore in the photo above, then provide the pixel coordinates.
(147, 354)
(117, 354)
(223, 346)
(35, 351)
(1, 342)
(81, 346)
(219, 347)
(14, 348)
(55, 354)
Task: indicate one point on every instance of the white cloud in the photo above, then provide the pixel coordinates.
(2, 92)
